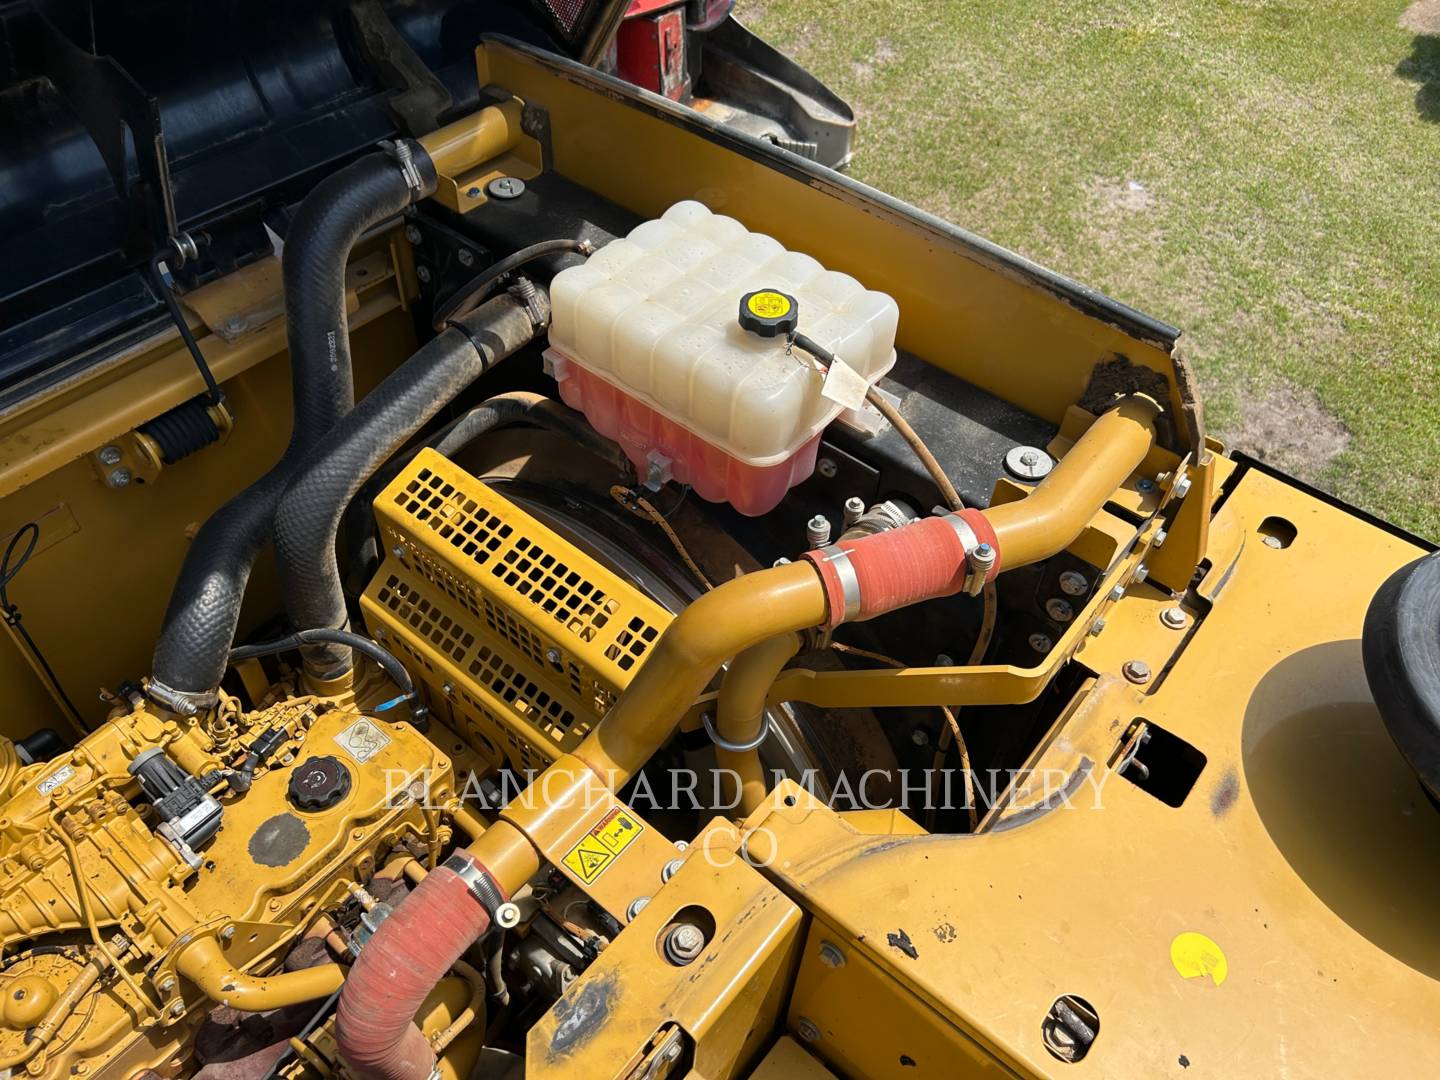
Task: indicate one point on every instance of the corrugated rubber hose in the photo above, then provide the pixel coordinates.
(308, 518)
(424, 936)
(199, 626)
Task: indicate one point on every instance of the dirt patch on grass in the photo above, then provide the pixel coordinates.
(1127, 197)
(1289, 427)
(1422, 17)
(881, 55)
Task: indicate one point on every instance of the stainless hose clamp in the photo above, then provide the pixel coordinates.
(839, 558)
(979, 556)
(398, 150)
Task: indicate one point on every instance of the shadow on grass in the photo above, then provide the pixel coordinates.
(1423, 66)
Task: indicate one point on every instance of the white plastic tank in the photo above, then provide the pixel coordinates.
(645, 340)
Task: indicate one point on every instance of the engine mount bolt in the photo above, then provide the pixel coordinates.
(412, 234)
(636, 906)
(1041, 643)
(826, 467)
(1059, 609)
(830, 955)
(109, 455)
(683, 944)
(1137, 671)
(1175, 618)
(506, 187)
(1074, 583)
(178, 1009)
(817, 531)
(119, 478)
(806, 1029)
(854, 508)
(465, 257)
(670, 869)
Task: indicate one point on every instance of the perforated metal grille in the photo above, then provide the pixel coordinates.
(523, 640)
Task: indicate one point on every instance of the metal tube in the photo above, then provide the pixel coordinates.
(1050, 518)
(741, 712)
(204, 964)
(458, 147)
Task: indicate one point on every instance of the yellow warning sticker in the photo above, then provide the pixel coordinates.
(768, 304)
(598, 848)
(1196, 956)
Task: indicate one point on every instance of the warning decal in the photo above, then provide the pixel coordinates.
(598, 848)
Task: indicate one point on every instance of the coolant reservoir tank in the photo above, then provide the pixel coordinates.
(645, 341)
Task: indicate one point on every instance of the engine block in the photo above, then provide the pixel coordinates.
(90, 865)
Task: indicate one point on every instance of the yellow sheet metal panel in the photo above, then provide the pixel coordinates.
(533, 637)
(786, 1061)
(1303, 851)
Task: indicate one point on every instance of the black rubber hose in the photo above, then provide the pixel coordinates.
(309, 515)
(358, 642)
(199, 626)
(468, 296)
(522, 407)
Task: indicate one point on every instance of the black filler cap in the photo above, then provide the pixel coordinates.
(318, 783)
(769, 312)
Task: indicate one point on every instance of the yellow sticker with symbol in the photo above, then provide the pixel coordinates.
(768, 305)
(598, 848)
(1196, 956)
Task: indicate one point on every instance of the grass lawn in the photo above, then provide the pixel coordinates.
(1264, 174)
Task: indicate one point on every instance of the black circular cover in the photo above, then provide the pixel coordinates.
(318, 783)
(769, 312)
(1401, 647)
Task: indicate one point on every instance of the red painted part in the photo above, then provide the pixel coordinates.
(903, 566)
(410, 952)
(650, 52)
(638, 8)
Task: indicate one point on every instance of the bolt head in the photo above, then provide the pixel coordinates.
(1146, 485)
(465, 257)
(1175, 618)
(412, 234)
(1142, 572)
(806, 1029)
(1117, 594)
(552, 655)
(1271, 542)
(1182, 487)
(919, 738)
(109, 455)
(636, 906)
(1160, 538)
(1074, 583)
(1059, 609)
(398, 551)
(422, 274)
(826, 467)
(1137, 671)
(119, 478)
(227, 933)
(506, 187)
(473, 192)
(447, 688)
(855, 505)
(1028, 463)
(830, 955)
(1041, 643)
(235, 324)
(178, 1009)
(167, 984)
(670, 869)
(1097, 628)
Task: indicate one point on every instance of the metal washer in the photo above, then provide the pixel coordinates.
(1028, 463)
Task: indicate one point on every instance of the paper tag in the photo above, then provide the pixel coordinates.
(845, 385)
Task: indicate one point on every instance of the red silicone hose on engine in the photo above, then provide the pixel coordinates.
(409, 954)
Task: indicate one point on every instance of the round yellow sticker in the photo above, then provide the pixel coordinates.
(768, 305)
(1196, 956)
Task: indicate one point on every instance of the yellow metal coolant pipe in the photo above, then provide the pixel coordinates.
(204, 964)
(740, 712)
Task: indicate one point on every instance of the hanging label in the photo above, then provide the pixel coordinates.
(845, 385)
(598, 848)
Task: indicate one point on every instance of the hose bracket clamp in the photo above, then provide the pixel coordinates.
(398, 151)
(735, 747)
(485, 890)
(980, 556)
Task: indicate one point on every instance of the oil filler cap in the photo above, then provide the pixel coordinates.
(769, 312)
(318, 783)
